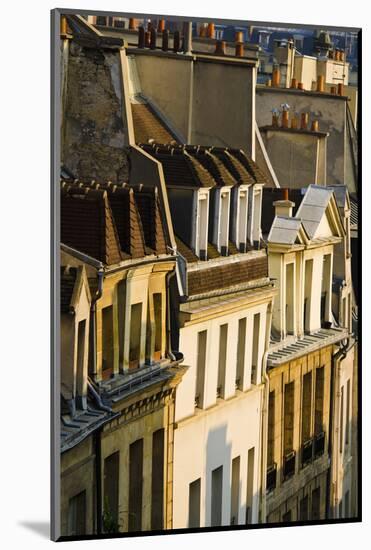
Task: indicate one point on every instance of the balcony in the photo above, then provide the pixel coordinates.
(307, 452)
(271, 477)
(289, 461)
(319, 445)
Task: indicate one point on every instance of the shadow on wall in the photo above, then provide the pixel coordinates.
(217, 479)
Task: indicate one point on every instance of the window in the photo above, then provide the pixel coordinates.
(326, 289)
(290, 298)
(255, 349)
(135, 335)
(271, 430)
(307, 294)
(303, 509)
(80, 356)
(201, 364)
(157, 306)
(107, 341)
(224, 223)
(319, 400)
(242, 220)
(77, 514)
(111, 493)
(194, 503)
(341, 418)
(223, 338)
(306, 415)
(235, 490)
(316, 504)
(216, 496)
(250, 484)
(347, 421)
(241, 345)
(202, 226)
(289, 417)
(135, 485)
(121, 301)
(157, 503)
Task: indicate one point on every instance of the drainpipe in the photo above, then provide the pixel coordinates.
(98, 478)
(264, 422)
(168, 277)
(334, 393)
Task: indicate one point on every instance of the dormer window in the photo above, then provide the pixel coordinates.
(220, 221)
(202, 215)
(255, 207)
(239, 216)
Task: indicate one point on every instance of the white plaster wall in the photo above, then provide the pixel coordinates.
(188, 345)
(211, 439)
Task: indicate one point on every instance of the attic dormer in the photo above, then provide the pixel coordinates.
(239, 216)
(219, 218)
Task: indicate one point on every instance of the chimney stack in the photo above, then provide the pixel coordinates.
(284, 207)
(153, 42)
(176, 43)
(141, 37)
(220, 47)
(147, 39)
(165, 40)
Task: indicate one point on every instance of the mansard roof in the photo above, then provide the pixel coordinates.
(316, 203)
(112, 223)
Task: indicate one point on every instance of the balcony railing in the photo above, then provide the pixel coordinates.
(271, 477)
(319, 445)
(307, 452)
(289, 465)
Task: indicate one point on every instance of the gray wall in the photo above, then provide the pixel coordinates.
(331, 113)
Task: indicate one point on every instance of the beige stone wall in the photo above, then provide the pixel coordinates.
(77, 475)
(294, 371)
(140, 420)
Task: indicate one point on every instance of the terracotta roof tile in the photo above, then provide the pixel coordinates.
(227, 275)
(147, 125)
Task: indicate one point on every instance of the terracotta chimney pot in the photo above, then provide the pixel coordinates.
(202, 31)
(239, 36)
(340, 88)
(315, 126)
(300, 86)
(294, 83)
(276, 77)
(294, 122)
(161, 25)
(211, 30)
(320, 83)
(239, 50)
(147, 39)
(304, 121)
(285, 194)
(285, 119)
(333, 90)
(132, 23)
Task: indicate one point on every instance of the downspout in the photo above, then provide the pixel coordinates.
(334, 394)
(264, 422)
(97, 435)
(169, 276)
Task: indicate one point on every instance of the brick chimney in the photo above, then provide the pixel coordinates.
(284, 206)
